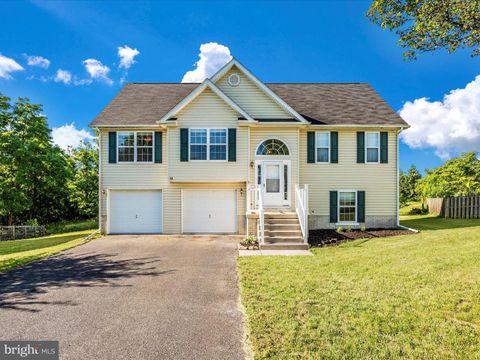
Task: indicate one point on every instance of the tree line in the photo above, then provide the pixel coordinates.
(39, 182)
(459, 176)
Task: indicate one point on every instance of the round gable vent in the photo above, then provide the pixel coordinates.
(234, 80)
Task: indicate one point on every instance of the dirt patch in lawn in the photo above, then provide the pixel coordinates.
(319, 238)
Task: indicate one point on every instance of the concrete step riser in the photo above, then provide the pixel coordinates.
(276, 227)
(283, 239)
(276, 233)
(282, 216)
(281, 221)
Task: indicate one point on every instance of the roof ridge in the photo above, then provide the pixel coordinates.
(269, 83)
(162, 82)
(317, 83)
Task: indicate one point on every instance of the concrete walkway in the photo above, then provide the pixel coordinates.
(274, 253)
(130, 297)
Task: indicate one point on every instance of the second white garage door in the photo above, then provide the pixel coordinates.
(209, 211)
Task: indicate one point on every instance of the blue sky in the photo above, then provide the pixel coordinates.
(278, 41)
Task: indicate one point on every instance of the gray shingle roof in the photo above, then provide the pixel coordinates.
(319, 103)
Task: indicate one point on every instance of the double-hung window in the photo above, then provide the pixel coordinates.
(372, 148)
(135, 146)
(323, 146)
(347, 206)
(208, 144)
(218, 144)
(198, 144)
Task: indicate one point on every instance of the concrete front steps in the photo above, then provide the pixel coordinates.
(282, 231)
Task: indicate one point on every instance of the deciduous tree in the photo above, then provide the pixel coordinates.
(429, 25)
(457, 177)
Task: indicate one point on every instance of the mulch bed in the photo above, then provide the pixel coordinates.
(319, 238)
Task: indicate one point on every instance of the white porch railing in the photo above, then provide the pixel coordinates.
(255, 205)
(301, 207)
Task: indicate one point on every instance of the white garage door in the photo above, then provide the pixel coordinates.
(209, 211)
(135, 212)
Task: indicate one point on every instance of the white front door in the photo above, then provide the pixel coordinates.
(273, 178)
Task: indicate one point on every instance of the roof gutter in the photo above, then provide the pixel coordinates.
(401, 127)
(125, 126)
(398, 178)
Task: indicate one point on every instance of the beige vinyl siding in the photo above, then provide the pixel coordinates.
(130, 176)
(288, 136)
(250, 98)
(208, 110)
(154, 176)
(377, 180)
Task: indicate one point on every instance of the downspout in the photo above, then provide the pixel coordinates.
(398, 176)
(99, 135)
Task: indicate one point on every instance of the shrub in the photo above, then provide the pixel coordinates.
(31, 222)
(348, 228)
(363, 228)
(339, 229)
(418, 211)
(250, 240)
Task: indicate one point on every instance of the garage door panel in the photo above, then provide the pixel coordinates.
(209, 211)
(135, 212)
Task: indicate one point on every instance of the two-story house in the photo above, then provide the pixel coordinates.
(236, 155)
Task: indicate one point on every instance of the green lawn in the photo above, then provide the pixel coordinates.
(18, 252)
(69, 226)
(412, 296)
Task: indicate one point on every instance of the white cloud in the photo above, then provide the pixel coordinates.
(127, 55)
(42, 78)
(7, 66)
(77, 81)
(450, 126)
(97, 70)
(212, 57)
(69, 136)
(63, 76)
(39, 61)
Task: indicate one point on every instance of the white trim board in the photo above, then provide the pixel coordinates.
(260, 85)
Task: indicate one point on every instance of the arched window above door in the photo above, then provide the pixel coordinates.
(272, 147)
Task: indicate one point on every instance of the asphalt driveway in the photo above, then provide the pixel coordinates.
(129, 297)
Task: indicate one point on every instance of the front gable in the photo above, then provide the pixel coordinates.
(247, 95)
(255, 92)
(206, 85)
(207, 110)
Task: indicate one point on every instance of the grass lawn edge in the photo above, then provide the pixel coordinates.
(14, 260)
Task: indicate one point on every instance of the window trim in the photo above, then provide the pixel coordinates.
(269, 156)
(366, 147)
(208, 144)
(329, 147)
(338, 208)
(135, 147)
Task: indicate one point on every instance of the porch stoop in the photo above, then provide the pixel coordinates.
(282, 231)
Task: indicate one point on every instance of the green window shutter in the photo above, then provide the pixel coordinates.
(112, 147)
(333, 206)
(310, 146)
(158, 147)
(184, 144)
(361, 206)
(232, 144)
(384, 147)
(334, 147)
(360, 147)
